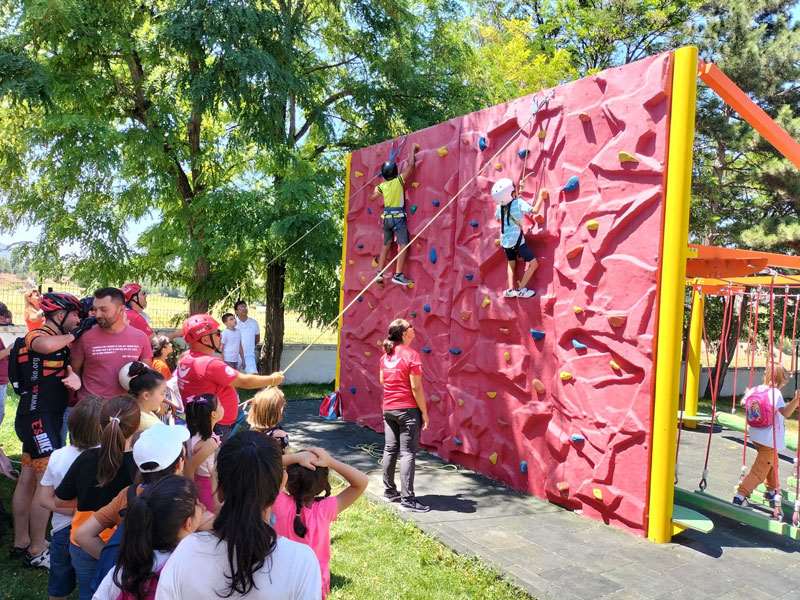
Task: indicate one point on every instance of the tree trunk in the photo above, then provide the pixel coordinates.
(198, 303)
(723, 362)
(272, 347)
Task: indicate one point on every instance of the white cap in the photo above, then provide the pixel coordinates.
(503, 191)
(161, 445)
(124, 378)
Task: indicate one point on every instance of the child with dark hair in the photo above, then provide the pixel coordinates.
(266, 414)
(202, 413)
(162, 348)
(304, 512)
(243, 556)
(149, 389)
(98, 475)
(84, 433)
(165, 513)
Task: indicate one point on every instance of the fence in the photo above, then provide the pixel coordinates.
(164, 311)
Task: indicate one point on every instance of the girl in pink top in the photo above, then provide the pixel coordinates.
(302, 515)
(202, 413)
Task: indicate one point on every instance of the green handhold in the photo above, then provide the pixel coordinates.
(413, 208)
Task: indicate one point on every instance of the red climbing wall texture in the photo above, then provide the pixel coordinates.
(551, 395)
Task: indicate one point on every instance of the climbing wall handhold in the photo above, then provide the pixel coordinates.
(491, 394)
(435, 203)
(537, 334)
(469, 276)
(360, 299)
(597, 493)
(522, 153)
(572, 184)
(617, 320)
(353, 390)
(614, 365)
(442, 151)
(482, 145)
(433, 256)
(504, 330)
(486, 301)
(565, 376)
(360, 246)
(578, 345)
(562, 486)
(362, 278)
(460, 402)
(369, 210)
(497, 242)
(426, 308)
(538, 386)
(455, 351)
(413, 208)
(577, 438)
(541, 134)
(493, 458)
(627, 157)
(426, 350)
(413, 313)
(465, 315)
(457, 441)
(410, 285)
(415, 184)
(523, 466)
(539, 219)
(371, 306)
(367, 353)
(584, 117)
(574, 252)
(473, 223)
(435, 398)
(507, 356)
(498, 166)
(502, 422)
(359, 174)
(592, 225)
(351, 262)
(577, 310)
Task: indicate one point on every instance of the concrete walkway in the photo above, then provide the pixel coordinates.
(556, 554)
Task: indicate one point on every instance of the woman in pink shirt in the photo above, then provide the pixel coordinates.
(405, 412)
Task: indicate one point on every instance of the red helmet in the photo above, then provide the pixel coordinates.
(129, 290)
(197, 326)
(54, 301)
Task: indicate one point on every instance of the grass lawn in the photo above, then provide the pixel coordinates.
(376, 555)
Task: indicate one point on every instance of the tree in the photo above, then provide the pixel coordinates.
(220, 122)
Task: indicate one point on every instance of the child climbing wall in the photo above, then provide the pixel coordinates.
(551, 395)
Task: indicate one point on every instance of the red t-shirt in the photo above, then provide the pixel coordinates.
(397, 370)
(205, 374)
(136, 320)
(104, 354)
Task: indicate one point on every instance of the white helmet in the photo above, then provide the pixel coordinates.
(503, 191)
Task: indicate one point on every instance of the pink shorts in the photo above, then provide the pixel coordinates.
(204, 491)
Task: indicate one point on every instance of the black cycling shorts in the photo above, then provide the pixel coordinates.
(39, 432)
(395, 226)
(522, 251)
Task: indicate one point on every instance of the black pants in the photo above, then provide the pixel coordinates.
(402, 427)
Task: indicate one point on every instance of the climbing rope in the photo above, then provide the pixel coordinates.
(424, 228)
(740, 299)
(777, 512)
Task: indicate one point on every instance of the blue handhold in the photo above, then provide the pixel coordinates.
(482, 143)
(523, 466)
(455, 351)
(537, 334)
(577, 437)
(360, 299)
(426, 349)
(572, 184)
(473, 223)
(360, 246)
(522, 153)
(353, 390)
(457, 441)
(426, 307)
(433, 256)
(369, 210)
(578, 345)
(435, 202)
(469, 276)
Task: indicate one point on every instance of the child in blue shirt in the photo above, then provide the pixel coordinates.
(510, 212)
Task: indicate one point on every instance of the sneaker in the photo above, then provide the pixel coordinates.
(400, 279)
(525, 293)
(15, 552)
(770, 496)
(39, 561)
(510, 293)
(740, 501)
(413, 505)
(391, 496)
(379, 279)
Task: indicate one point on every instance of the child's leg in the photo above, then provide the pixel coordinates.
(512, 264)
(401, 231)
(530, 269)
(384, 254)
(771, 479)
(758, 472)
(401, 258)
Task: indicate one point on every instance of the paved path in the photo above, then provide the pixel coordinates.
(556, 554)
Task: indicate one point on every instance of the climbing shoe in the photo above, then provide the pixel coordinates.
(525, 293)
(400, 279)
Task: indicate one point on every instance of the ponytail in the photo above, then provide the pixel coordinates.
(198, 411)
(153, 522)
(396, 330)
(120, 420)
(305, 485)
(299, 527)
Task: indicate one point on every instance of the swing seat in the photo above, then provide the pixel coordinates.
(684, 518)
(692, 418)
(747, 516)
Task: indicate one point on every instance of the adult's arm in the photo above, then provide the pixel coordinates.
(419, 397)
(46, 344)
(249, 381)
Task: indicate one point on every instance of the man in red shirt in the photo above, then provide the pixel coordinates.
(202, 371)
(135, 303)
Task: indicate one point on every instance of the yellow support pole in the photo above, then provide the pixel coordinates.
(671, 293)
(693, 358)
(347, 161)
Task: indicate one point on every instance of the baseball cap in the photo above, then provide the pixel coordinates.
(159, 446)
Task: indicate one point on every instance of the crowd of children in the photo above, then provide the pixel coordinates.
(161, 490)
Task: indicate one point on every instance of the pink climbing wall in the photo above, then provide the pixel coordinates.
(553, 394)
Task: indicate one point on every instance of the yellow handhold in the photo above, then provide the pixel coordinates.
(562, 486)
(374, 263)
(592, 225)
(615, 365)
(359, 174)
(367, 353)
(497, 242)
(410, 285)
(577, 310)
(538, 386)
(415, 185)
(486, 301)
(460, 402)
(351, 262)
(541, 134)
(493, 458)
(417, 146)
(491, 394)
(565, 375)
(507, 356)
(627, 157)
(597, 493)
(498, 166)
(442, 151)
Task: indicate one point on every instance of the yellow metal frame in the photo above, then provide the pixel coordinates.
(671, 293)
(692, 393)
(347, 161)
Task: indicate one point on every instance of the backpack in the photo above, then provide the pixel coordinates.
(331, 407)
(759, 407)
(19, 372)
